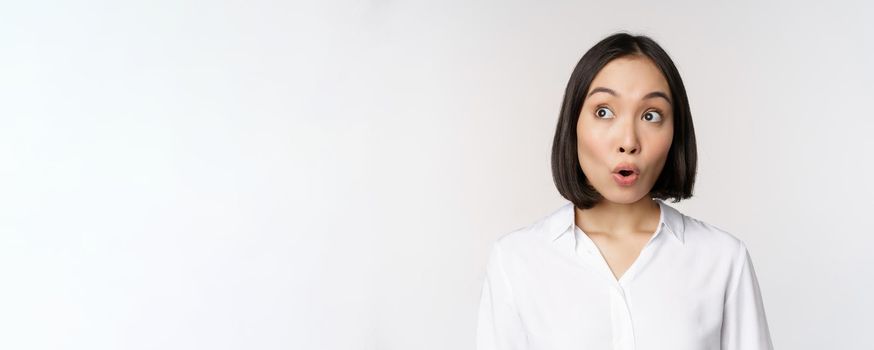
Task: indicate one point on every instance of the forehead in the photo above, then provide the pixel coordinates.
(631, 77)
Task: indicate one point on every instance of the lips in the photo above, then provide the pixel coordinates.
(625, 180)
(626, 174)
(626, 169)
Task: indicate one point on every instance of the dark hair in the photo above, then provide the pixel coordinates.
(678, 175)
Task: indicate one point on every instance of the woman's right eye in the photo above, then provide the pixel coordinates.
(600, 112)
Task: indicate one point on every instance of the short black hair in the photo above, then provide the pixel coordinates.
(678, 175)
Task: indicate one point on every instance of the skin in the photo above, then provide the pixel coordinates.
(624, 128)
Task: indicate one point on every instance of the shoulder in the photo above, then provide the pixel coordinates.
(709, 238)
(532, 236)
(522, 237)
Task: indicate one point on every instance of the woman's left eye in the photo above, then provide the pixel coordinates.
(650, 113)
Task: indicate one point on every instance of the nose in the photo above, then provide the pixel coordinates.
(629, 143)
(629, 150)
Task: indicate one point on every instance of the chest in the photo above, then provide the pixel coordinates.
(619, 254)
(674, 300)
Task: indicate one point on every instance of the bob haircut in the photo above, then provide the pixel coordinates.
(678, 175)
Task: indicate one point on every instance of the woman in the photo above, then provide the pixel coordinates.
(616, 267)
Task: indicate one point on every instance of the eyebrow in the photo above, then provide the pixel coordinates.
(653, 94)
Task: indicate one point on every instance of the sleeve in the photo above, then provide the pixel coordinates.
(744, 324)
(499, 326)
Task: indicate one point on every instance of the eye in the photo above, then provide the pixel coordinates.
(649, 115)
(600, 112)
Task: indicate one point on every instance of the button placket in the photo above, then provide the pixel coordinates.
(623, 329)
(620, 312)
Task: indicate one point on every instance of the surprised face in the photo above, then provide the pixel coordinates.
(626, 122)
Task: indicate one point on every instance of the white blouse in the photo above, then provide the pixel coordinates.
(693, 286)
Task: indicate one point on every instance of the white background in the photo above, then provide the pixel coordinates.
(273, 175)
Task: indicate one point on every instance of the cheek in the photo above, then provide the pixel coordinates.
(661, 147)
(666, 139)
(591, 145)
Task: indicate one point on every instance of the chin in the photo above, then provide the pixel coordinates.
(624, 195)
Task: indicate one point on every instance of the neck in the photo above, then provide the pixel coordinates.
(619, 219)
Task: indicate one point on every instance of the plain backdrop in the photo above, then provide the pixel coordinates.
(329, 175)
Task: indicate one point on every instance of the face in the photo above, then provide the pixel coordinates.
(626, 118)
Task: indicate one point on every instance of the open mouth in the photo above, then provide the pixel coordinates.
(625, 177)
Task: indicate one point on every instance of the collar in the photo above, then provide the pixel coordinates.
(561, 220)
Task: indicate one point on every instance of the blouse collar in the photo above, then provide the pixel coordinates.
(561, 220)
